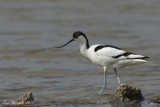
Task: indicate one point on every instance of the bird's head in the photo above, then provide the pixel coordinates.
(77, 36)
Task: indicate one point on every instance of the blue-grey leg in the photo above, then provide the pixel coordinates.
(105, 81)
(117, 76)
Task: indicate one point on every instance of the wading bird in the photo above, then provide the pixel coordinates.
(108, 56)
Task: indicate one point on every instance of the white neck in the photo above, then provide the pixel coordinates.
(83, 46)
(83, 49)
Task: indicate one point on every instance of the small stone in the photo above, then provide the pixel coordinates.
(154, 101)
(125, 92)
(18, 106)
(25, 99)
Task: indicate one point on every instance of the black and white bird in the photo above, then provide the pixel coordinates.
(108, 56)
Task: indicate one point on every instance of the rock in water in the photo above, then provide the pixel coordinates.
(25, 99)
(125, 92)
(18, 106)
(154, 101)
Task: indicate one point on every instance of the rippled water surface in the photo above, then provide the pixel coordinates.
(30, 28)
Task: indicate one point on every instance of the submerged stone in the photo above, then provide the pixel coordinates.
(154, 101)
(125, 92)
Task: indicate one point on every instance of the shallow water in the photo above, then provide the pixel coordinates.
(30, 28)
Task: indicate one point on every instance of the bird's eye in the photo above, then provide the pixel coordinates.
(75, 36)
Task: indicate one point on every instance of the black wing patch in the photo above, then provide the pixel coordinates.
(129, 53)
(104, 46)
(144, 57)
(124, 54)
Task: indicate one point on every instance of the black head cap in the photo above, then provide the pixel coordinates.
(77, 34)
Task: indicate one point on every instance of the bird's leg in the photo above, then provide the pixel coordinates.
(117, 76)
(105, 81)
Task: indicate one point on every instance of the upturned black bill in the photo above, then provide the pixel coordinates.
(65, 44)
